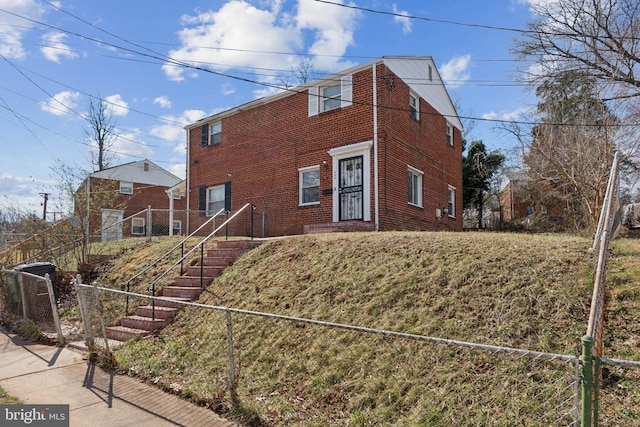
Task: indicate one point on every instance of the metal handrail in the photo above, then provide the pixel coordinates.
(154, 263)
(152, 286)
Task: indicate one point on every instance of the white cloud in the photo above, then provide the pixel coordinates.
(403, 20)
(116, 106)
(162, 101)
(237, 35)
(334, 27)
(127, 144)
(455, 72)
(172, 130)
(507, 116)
(14, 28)
(61, 103)
(240, 34)
(53, 47)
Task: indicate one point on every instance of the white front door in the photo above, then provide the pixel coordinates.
(111, 224)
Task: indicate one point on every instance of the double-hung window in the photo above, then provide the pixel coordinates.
(449, 134)
(137, 226)
(414, 106)
(335, 94)
(309, 179)
(215, 199)
(126, 187)
(451, 206)
(415, 186)
(215, 133)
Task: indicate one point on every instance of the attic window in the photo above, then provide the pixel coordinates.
(146, 167)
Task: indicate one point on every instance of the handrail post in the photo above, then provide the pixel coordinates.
(182, 259)
(587, 381)
(253, 208)
(126, 300)
(201, 265)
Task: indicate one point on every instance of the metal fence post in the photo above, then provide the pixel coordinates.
(232, 364)
(149, 225)
(54, 309)
(587, 381)
(84, 312)
(23, 296)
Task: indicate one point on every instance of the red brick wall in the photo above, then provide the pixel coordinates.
(262, 149)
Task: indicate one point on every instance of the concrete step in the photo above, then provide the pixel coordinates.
(220, 257)
(237, 244)
(123, 333)
(142, 322)
(191, 281)
(190, 292)
(159, 312)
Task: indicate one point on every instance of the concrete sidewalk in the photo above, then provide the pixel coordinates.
(40, 374)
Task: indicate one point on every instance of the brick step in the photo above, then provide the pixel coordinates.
(237, 244)
(207, 270)
(169, 302)
(190, 292)
(142, 322)
(215, 258)
(191, 282)
(159, 312)
(123, 333)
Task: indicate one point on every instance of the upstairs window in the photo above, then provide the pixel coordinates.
(414, 106)
(309, 179)
(335, 94)
(126, 187)
(211, 134)
(215, 133)
(450, 134)
(415, 186)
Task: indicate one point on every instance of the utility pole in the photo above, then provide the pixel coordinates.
(44, 203)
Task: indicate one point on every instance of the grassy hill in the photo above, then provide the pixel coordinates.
(523, 291)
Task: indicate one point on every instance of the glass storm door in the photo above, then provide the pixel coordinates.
(350, 188)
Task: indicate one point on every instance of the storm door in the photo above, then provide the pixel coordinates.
(350, 188)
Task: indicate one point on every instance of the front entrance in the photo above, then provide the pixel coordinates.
(350, 178)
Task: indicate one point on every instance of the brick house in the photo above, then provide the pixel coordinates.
(374, 147)
(516, 204)
(115, 194)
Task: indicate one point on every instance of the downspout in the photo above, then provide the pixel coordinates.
(188, 171)
(376, 197)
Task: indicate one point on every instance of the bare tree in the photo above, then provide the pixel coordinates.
(601, 38)
(301, 74)
(100, 131)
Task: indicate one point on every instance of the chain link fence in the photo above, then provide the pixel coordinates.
(29, 297)
(296, 371)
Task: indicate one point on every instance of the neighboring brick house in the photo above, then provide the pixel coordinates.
(515, 206)
(375, 147)
(121, 191)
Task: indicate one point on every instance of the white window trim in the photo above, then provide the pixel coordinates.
(126, 189)
(316, 100)
(301, 172)
(211, 134)
(415, 114)
(361, 148)
(210, 212)
(449, 131)
(139, 220)
(417, 172)
(451, 212)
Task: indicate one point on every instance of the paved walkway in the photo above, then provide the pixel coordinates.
(40, 374)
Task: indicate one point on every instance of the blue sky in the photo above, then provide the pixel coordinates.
(56, 55)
